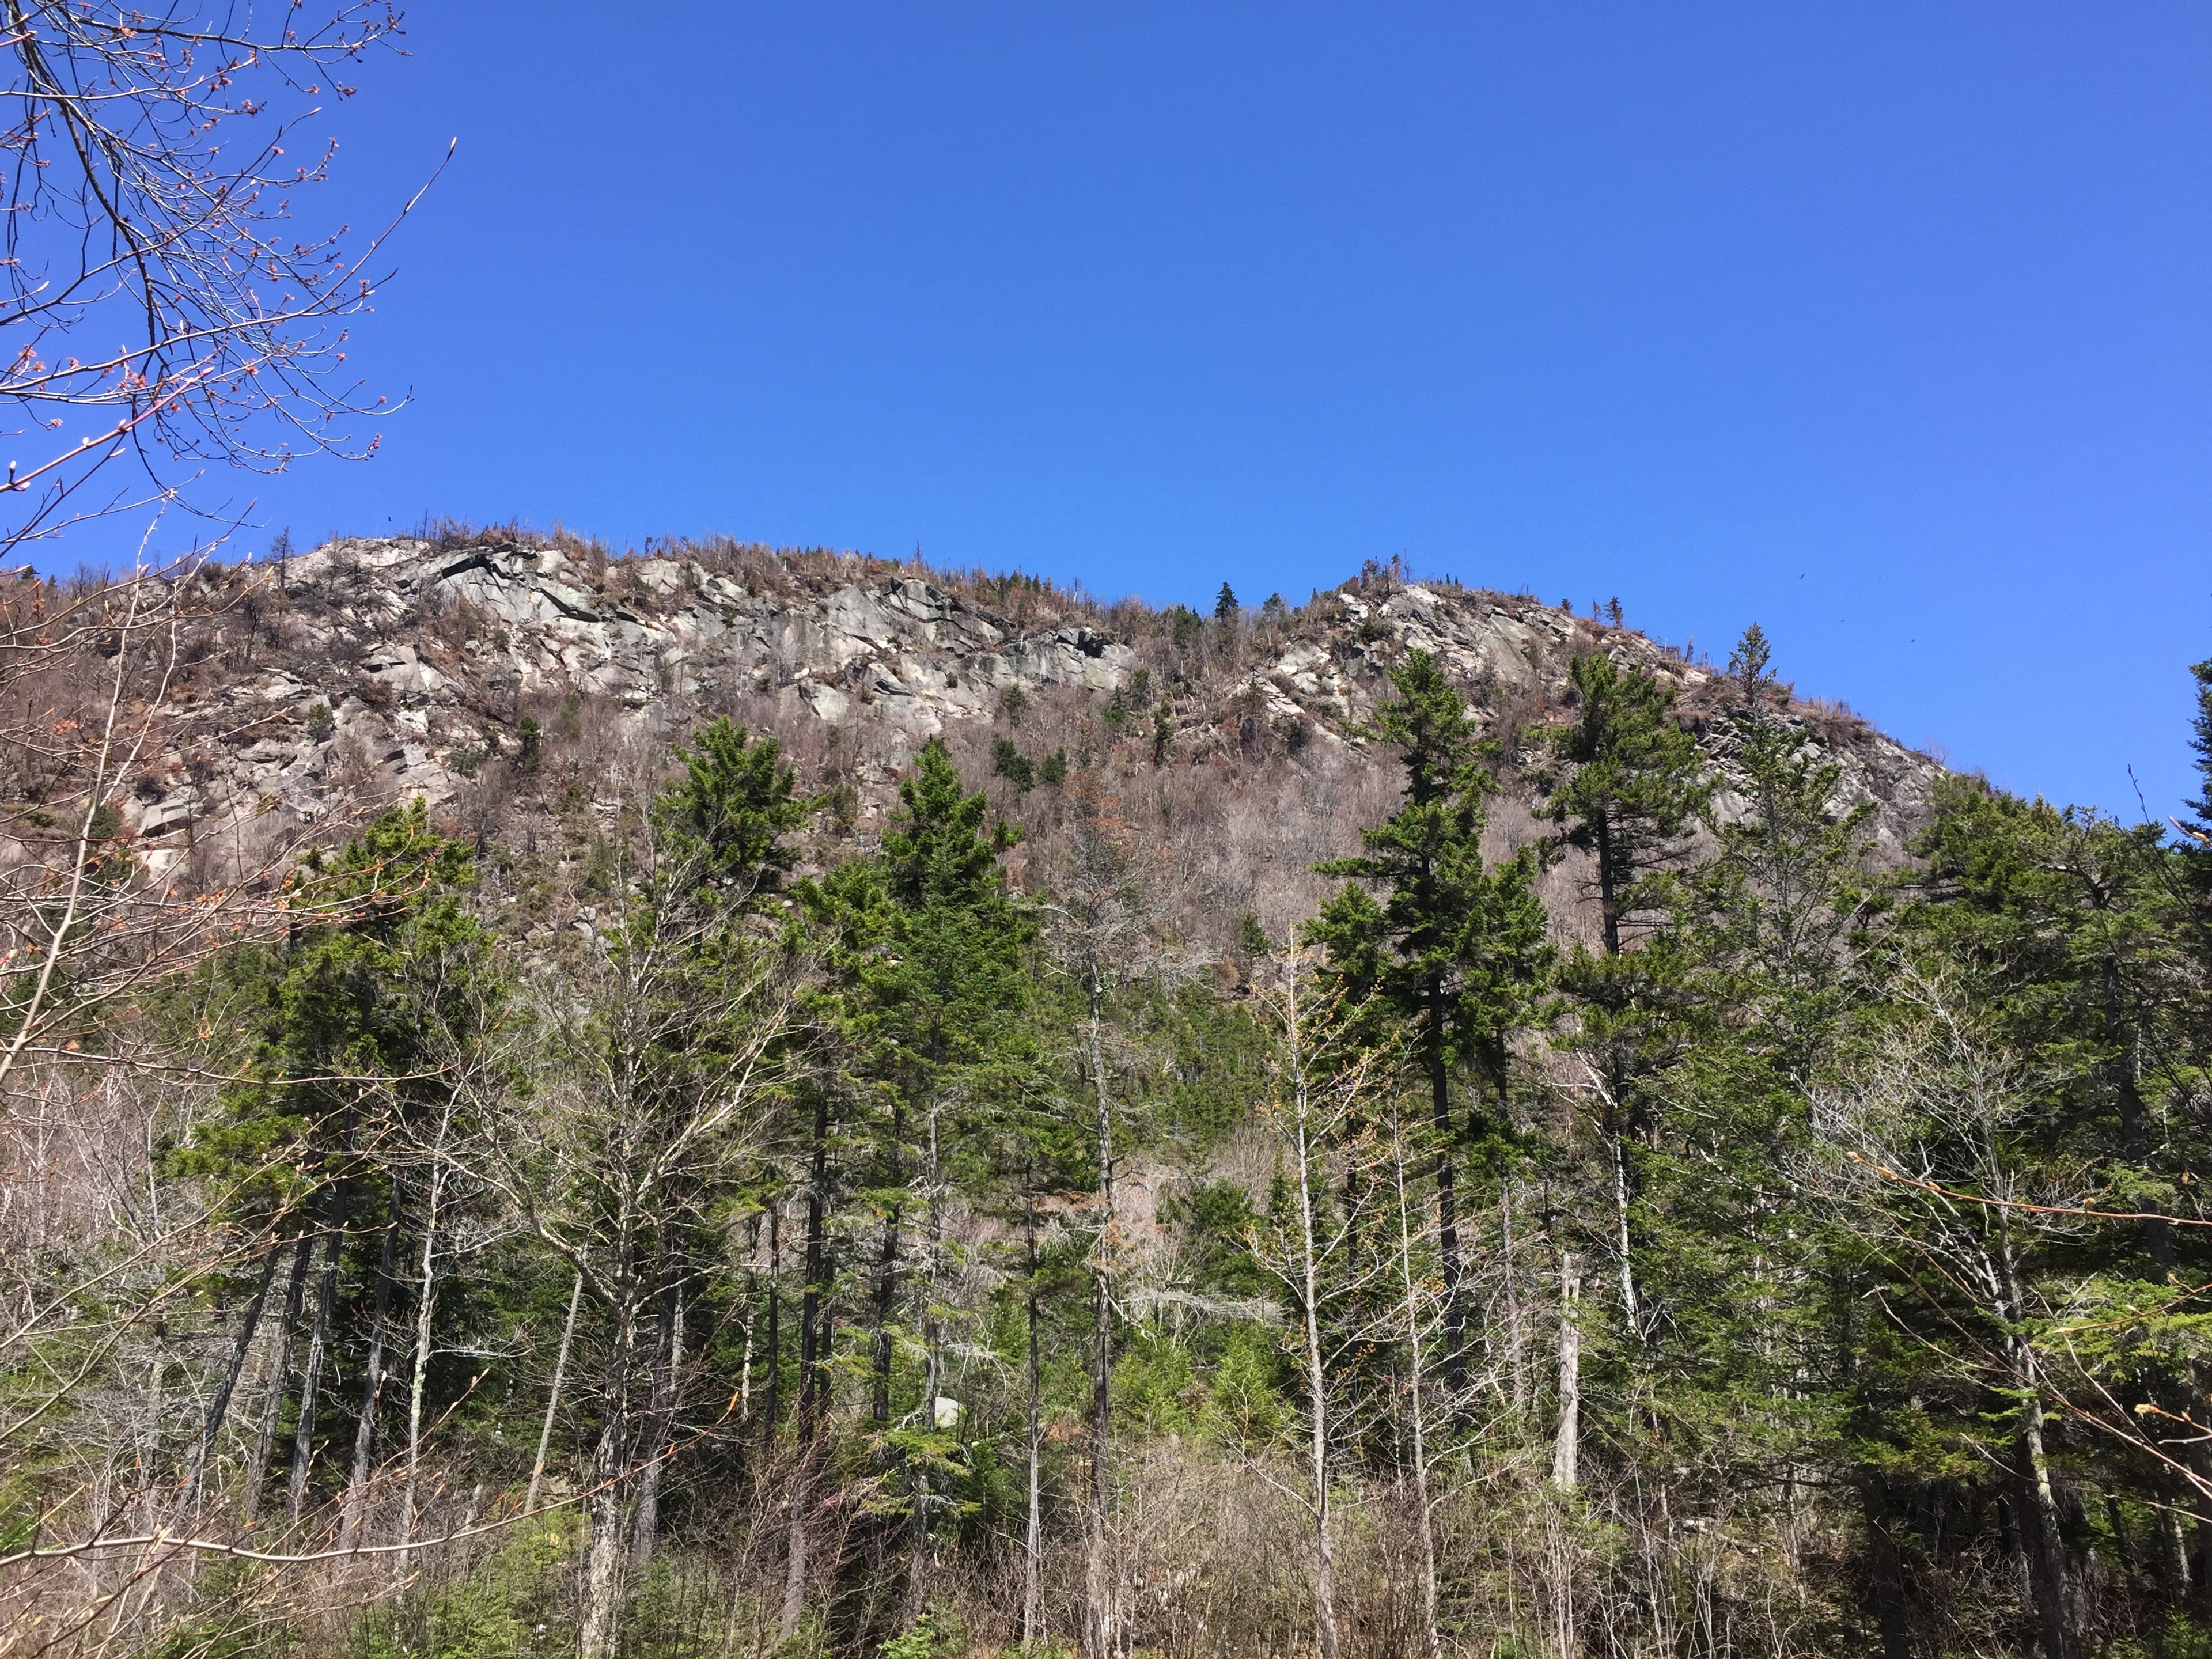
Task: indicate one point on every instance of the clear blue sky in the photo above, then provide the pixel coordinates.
(1888, 327)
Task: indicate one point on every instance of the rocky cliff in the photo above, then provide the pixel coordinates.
(368, 670)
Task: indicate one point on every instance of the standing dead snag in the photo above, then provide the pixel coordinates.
(1103, 934)
(1324, 1116)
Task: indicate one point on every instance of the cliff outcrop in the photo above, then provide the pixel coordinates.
(371, 670)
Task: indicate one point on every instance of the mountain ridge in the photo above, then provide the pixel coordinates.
(369, 670)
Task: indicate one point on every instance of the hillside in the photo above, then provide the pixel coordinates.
(497, 1160)
(371, 670)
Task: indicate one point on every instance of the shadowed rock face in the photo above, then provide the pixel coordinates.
(398, 666)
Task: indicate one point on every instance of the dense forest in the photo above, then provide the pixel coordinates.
(1684, 1232)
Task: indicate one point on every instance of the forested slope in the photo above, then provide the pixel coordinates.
(727, 1101)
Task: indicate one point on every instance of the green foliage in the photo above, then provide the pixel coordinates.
(1247, 1408)
(508, 1606)
(1883, 1192)
(1625, 785)
(730, 810)
(936, 1634)
(1216, 1219)
(1125, 706)
(386, 957)
(1455, 950)
(1008, 762)
(1156, 1390)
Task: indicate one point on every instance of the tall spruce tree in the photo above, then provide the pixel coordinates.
(1454, 948)
(929, 969)
(1626, 784)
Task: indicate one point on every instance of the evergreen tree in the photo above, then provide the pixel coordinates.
(1454, 949)
(2196, 853)
(928, 963)
(1627, 786)
(383, 964)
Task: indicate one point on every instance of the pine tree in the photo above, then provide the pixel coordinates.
(1626, 784)
(1454, 949)
(2197, 854)
(928, 964)
(384, 961)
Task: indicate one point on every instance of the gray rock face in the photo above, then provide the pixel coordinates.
(398, 666)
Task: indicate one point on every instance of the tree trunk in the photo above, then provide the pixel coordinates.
(1566, 1443)
(886, 1288)
(1033, 1551)
(1630, 1308)
(371, 1384)
(553, 1396)
(1099, 1633)
(668, 1356)
(2046, 1548)
(601, 1630)
(932, 1378)
(425, 1305)
(1098, 1624)
(1409, 1284)
(603, 1562)
(774, 1319)
(1885, 1568)
(1516, 1369)
(303, 1437)
(272, 1402)
(1608, 884)
(1324, 1580)
(1447, 1207)
(219, 1407)
(741, 1450)
(811, 1380)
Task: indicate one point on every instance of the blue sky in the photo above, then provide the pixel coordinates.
(1887, 327)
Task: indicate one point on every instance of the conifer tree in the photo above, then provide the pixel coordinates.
(1625, 787)
(928, 964)
(1454, 948)
(1626, 784)
(2197, 854)
(659, 1072)
(349, 1056)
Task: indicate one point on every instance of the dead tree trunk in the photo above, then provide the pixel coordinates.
(371, 1383)
(667, 1371)
(603, 1561)
(426, 1307)
(319, 1343)
(272, 1401)
(1098, 1631)
(1567, 1442)
(1324, 1579)
(553, 1396)
(1410, 1288)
